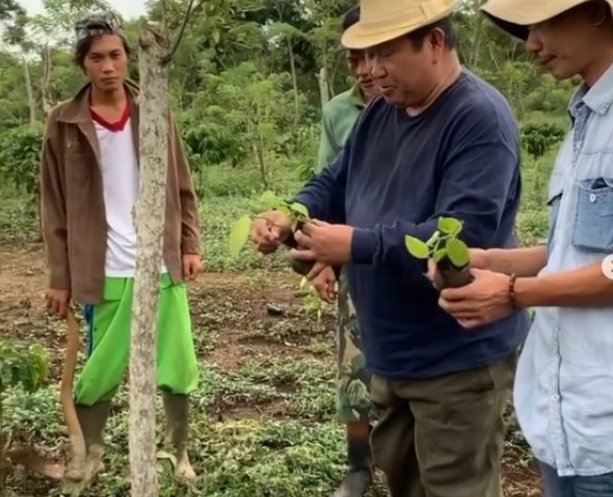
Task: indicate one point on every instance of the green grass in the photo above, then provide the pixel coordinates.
(301, 453)
(236, 457)
(18, 221)
(264, 428)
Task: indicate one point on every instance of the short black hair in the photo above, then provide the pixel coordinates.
(90, 28)
(418, 36)
(83, 47)
(351, 17)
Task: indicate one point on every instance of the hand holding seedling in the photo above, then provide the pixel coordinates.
(272, 228)
(449, 254)
(268, 230)
(478, 260)
(473, 295)
(485, 300)
(326, 243)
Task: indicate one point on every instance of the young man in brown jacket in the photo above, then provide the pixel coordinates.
(89, 183)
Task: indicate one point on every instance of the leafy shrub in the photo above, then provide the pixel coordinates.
(21, 366)
(537, 139)
(20, 150)
(532, 226)
(211, 143)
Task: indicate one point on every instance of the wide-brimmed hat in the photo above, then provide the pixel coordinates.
(385, 20)
(514, 16)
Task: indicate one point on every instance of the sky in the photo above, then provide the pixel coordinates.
(127, 8)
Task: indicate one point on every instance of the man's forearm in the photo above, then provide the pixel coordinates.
(584, 287)
(190, 227)
(524, 262)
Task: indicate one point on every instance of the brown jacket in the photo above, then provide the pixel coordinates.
(73, 212)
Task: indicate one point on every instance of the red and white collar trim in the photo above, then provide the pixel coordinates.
(116, 126)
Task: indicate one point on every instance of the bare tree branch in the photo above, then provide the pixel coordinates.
(165, 26)
(186, 18)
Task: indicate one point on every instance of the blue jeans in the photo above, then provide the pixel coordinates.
(576, 486)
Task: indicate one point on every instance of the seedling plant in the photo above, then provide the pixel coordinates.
(450, 254)
(298, 213)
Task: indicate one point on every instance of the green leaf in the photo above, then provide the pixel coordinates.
(270, 200)
(284, 209)
(416, 247)
(163, 455)
(239, 235)
(458, 253)
(449, 225)
(439, 254)
(300, 209)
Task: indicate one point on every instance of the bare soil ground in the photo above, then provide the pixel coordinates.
(234, 308)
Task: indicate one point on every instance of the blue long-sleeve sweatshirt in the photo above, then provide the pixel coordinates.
(397, 175)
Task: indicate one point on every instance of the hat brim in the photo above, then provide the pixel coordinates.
(516, 30)
(515, 16)
(360, 36)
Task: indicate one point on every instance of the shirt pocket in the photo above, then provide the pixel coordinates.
(593, 223)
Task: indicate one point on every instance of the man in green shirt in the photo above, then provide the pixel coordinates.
(353, 380)
(341, 112)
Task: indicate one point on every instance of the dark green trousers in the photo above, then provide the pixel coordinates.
(442, 437)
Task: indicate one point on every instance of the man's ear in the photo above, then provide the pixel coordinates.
(438, 43)
(600, 14)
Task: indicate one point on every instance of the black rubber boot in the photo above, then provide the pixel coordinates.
(92, 420)
(177, 418)
(359, 472)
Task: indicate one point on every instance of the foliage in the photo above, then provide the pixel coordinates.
(268, 201)
(22, 366)
(443, 244)
(213, 143)
(539, 138)
(255, 110)
(12, 20)
(450, 254)
(266, 422)
(20, 150)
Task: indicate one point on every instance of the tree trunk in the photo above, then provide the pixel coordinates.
(475, 51)
(324, 91)
(46, 81)
(149, 222)
(30, 93)
(292, 63)
(3, 461)
(259, 153)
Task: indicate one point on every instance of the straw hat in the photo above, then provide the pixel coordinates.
(385, 20)
(514, 16)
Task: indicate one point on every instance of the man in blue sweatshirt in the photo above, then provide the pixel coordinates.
(353, 380)
(441, 142)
